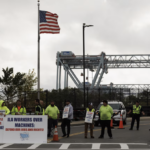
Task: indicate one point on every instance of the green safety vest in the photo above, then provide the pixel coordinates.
(22, 110)
(93, 110)
(37, 112)
(136, 110)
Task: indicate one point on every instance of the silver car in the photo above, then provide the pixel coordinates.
(118, 108)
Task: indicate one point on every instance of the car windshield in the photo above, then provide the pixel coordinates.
(114, 106)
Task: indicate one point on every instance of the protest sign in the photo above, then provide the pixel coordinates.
(89, 117)
(65, 112)
(1, 128)
(25, 129)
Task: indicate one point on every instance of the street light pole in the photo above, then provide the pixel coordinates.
(84, 25)
(83, 65)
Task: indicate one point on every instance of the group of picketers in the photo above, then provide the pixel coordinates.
(106, 113)
(53, 113)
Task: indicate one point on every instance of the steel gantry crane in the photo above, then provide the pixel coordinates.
(98, 63)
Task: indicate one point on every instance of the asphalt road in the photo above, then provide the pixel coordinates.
(122, 139)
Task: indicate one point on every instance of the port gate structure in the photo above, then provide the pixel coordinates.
(100, 65)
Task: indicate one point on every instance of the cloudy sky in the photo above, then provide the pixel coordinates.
(120, 27)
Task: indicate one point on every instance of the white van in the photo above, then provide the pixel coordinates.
(117, 107)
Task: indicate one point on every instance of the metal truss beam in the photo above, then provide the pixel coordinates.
(127, 86)
(99, 63)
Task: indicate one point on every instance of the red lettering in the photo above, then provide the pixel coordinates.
(38, 129)
(23, 129)
(30, 129)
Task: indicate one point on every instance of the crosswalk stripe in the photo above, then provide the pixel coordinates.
(5, 145)
(124, 146)
(34, 146)
(64, 146)
(96, 146)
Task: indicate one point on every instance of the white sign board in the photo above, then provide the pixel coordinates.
(25, 129)
(65, 112)
(2, 111)
(1, 128)
(89, 117)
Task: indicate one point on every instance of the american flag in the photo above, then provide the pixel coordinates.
(48, 23)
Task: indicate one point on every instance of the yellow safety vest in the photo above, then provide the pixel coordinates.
(93, 110)
(136, 110)
(22, 110)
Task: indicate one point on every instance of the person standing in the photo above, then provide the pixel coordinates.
(42, 104)
(106, 113)
(4, 108)
(18, 109)
(66, 121)
(38, 107)
(53, 115)
(90, 109)
(136, 112)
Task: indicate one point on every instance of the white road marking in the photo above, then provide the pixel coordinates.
(5, 145)
(34, 146)
(124, 146)
(64, 146)
(96, 146)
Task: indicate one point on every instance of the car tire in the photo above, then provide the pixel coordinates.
(118, 123)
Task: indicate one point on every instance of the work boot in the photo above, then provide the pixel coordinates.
(100, 137)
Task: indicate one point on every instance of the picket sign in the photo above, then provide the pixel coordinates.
(65, 112)
(1, 126)
(23, 129)
(89, 117)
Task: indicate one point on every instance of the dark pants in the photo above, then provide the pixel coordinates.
(65, 122)
(137, 118)
(51, 123)
(106, 123)
(91, 128)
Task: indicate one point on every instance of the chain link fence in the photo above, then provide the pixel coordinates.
(127, 96)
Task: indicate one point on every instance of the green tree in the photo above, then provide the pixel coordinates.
(11, 83)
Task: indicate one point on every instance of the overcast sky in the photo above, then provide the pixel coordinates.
(120, 27)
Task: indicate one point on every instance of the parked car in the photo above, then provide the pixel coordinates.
(118, 107)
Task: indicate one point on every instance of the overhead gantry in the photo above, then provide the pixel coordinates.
(98, 63)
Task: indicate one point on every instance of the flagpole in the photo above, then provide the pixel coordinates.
(38, 67)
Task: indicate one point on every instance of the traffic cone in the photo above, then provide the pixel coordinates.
(55, 136)
(121, 123)
(111, 123)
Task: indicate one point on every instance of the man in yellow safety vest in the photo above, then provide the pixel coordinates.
(18, 109)
(4, 108)
(136, 110)
(91, 109)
